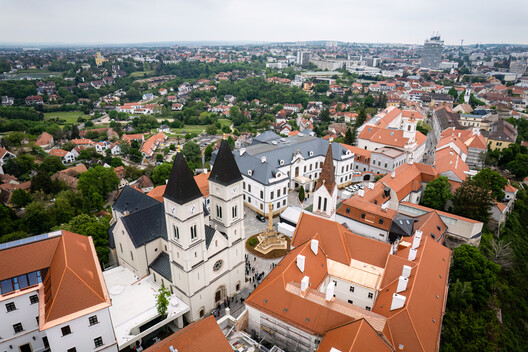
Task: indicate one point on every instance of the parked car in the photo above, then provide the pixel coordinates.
(261, 218)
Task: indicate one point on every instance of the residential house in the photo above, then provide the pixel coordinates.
(149, 147)
(34, 99)
(148, 96)
(502, 134)
(4, 156)
(7, 101)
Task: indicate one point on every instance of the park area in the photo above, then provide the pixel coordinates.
(64, 117)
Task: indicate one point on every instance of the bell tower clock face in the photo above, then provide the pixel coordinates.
(192, 209)
(234, 190)
(173, 210)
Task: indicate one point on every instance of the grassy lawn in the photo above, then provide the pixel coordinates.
(225, 122)
(140, 74)
(37, 70)
(68, 117)
(189, 129)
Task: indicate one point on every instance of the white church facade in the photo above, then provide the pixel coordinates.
(198, 256)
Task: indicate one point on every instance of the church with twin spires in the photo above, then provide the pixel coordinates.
(197, 255)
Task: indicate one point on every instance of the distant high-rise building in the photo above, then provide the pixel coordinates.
(331, 44)
(303, 57)
(432, 52)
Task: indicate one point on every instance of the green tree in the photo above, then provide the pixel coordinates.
(519, 166)
(37, 219)
(162, 300)
(231, 142)
(492, 181)
(208, 152)
(472, 201)
(191, 151)
(74, 132)
(349, 136)
(67, 205)
(301, 194)
(437, 193)
(19, 166)
(96, 183)
(97, 228)
(42, 182)
(161, 173)
(453, 92)
(211, 129)
(133, 94)
(20, 198)
(51, 164)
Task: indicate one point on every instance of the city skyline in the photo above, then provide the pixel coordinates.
(61, 22)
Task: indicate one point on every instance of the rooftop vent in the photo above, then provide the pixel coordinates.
(371, 185)
(304, 284)
(406, 271)
(402, 284)
(300, 262)
(393, 174)
(361, 193)
(417, 239)
(412, 254)
(263, 159)
(314, 246)
(330, 291)
(397, 301)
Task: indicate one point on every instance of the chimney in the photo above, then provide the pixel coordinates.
(397, 301)
(384, 206)
(314, 246)
(172, 349)
(417, 239)
(393, 174)
(371, 185)
(300, 262)
(263, 159)
(406, 271)
(402, 284)
(412, 254)
(330, 291)
(305, 282)
(361, 193)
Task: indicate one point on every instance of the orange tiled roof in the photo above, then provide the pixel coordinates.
(358, 336)
(199, 336)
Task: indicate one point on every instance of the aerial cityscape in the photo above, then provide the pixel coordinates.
(233, 183)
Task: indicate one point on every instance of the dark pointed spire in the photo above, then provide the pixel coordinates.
(225, 169)
(327, 177)
(181, 187)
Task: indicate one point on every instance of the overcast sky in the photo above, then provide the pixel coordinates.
(376, 21)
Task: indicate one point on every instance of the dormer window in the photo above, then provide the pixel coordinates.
(250, 173)
(310, 153)
(281, 162)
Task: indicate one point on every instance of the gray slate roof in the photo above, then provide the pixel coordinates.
(132, 200)
(161, 265)
(279, 149)
(146, 225)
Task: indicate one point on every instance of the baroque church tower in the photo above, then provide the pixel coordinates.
(325, 195)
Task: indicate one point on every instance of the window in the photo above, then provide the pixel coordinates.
(244, 185)
(335, 283)
(305, 168)
(10, 306)
(368, 308)
(261, 206)
(98, 341)
(234, 211)
(218, 212)
(271, 195)
(325, 203)
(249, 188)
(176, 232)
(121, 247)
(218, 265)
(33, 299)
(261, 194)
(363, 215)
(381, 221)
(73, 349)
(249, 199)
(66, 330)
(278, 193)
(319, 204)
(18, 328)
(351, 288)
(347, 211)
(370, 295)
(37, 319)
(284, 190)
(131, 255)
(350, 301)
(284, 202)
(93, 320)
(194, 233)
(278, 205)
